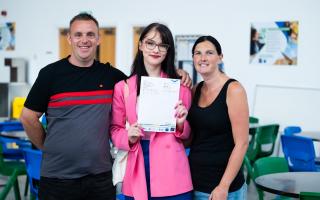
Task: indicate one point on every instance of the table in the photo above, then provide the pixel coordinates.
(289, 183)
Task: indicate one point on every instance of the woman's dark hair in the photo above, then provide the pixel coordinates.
(167, 66)
(215, 43)
(208, 38)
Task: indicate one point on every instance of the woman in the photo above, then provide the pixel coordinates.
(157, 166)
(219, 121)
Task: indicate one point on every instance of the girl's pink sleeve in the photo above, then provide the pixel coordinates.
(185, 96)
(119, 134)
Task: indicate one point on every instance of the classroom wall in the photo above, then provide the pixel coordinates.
(38, 22)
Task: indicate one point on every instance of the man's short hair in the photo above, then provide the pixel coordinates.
(83, 16)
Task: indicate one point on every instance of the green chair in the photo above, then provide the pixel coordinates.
(309, 195)
(262, 142)
(12, 169)
(247, 166)
(253, 120)
(269, 165)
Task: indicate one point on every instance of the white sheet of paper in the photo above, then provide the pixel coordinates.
(158, 97)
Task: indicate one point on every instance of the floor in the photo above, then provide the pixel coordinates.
(252, 193)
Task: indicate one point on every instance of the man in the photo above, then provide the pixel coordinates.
(76, 95)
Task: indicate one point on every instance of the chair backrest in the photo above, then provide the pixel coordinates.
(253, 120)
(268, 165)
(265, 136)
(309, 195)
(33, 163)
(290, 130)
(12, 147)
(299, 152)
(11, 126)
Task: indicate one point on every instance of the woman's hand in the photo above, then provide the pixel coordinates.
(185, 78)
(181, 115)
(134, 133)
(219, 193)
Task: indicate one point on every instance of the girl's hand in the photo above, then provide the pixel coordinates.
(134, 133)
(181, 114)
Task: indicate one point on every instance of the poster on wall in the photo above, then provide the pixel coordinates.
(7, 36)
(184, 44)
(274, 43)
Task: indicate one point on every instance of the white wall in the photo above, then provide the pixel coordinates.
(37, 24)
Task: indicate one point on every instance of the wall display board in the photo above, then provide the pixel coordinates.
(184, 45)
(287, 106)
(274, 43)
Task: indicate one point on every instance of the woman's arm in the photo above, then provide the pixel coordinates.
(239, 117)
(119, 133)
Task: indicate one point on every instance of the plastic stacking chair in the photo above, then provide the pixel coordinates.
(11, 169)
(291, 130)
(11, 126)
(309, 195)
(262, 142)
(269, 165)
(33, 162)
(187, 151)
(299, 153)
(247, 165)
(12, 147)
(120, 197)
(44, 121)
(253, 120)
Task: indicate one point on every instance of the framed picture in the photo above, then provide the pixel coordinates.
(184, 44)
(274, 43)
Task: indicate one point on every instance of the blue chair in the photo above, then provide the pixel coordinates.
(12, 169)
(299, 153)
(11, 126)
(120, 197)
(33, 162)
(291, 130)
(12, 147)
(187, 151)
(44, 121)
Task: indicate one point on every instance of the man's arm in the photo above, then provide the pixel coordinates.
(33, 127)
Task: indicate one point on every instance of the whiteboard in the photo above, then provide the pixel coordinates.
(288, 106)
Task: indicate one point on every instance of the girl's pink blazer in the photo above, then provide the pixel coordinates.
(169, 167)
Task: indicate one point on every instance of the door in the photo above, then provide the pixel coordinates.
(136, 35)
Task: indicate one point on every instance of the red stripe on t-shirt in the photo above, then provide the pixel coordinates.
(80, 102)
(81, 94)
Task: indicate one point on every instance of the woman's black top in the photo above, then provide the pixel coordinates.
(212, 142)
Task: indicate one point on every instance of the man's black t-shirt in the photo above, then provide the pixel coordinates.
(77, 102)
